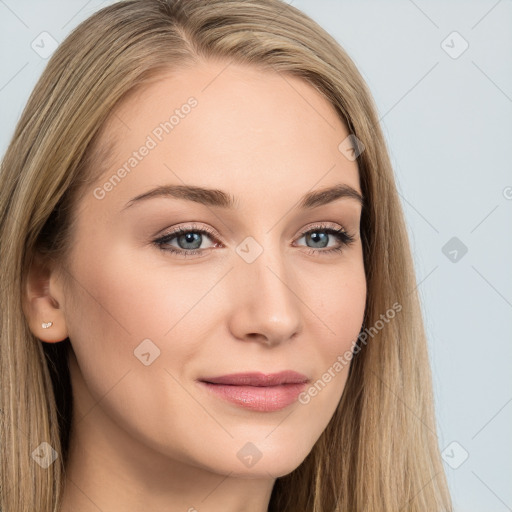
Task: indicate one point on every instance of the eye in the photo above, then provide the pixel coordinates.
(190, 238)
(319, 237)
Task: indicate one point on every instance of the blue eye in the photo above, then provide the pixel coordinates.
(190, 239)
(320, 234)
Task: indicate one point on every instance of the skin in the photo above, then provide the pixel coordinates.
(149, 437)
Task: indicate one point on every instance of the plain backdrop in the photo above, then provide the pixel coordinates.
(441, 76)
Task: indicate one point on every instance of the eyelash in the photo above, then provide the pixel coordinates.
(345, 238)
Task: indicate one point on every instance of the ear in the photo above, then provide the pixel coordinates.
(42, 302)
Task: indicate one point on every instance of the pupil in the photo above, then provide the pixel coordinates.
(317, 237)
(190, 238)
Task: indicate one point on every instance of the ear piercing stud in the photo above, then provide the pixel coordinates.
(45, 325)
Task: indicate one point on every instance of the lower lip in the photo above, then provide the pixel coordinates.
(258, 398)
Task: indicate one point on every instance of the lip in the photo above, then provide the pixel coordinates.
(258, 391)
(258, 379)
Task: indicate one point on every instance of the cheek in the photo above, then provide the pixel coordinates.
(120, 301)
(338, 300)
(119, 306)
(136, 293)
(338, 307)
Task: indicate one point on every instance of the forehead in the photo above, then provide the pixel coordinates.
(229, 126)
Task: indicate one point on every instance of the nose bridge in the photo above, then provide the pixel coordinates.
(266, 303)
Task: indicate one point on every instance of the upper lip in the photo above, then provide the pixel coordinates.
(258, 379)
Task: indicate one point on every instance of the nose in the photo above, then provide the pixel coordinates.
(265, 306)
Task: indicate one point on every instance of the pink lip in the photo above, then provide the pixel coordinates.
(258, 391)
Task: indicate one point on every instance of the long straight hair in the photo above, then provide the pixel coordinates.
(379, 451)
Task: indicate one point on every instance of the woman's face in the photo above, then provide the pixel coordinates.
(255, 286)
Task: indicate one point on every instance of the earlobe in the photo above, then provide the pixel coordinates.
(43, 311)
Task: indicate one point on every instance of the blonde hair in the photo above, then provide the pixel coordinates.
(380, 450)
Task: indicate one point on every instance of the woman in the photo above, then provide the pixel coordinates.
(209, 298)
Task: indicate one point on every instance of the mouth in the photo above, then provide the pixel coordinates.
(257, 391)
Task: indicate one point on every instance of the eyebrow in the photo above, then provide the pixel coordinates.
(219, 198)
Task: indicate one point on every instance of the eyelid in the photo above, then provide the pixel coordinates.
(191, 227)
(321, 225)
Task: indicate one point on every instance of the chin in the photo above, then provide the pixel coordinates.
(264, 460)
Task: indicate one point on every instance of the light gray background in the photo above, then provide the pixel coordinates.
(448, 123)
